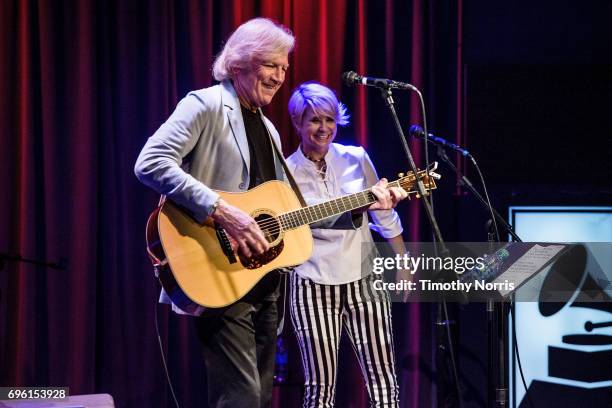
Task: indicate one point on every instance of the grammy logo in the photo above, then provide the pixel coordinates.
(579, 367)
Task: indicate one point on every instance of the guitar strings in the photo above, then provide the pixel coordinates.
(275, 221)
(274, 225)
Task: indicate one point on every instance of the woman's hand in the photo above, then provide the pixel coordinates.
(386, 197)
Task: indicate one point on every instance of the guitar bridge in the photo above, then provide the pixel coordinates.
(226, 246)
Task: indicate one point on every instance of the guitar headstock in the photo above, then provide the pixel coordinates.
(408, 182)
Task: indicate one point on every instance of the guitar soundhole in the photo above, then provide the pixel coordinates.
(272, 231)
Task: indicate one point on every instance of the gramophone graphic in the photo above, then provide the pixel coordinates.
(576, 280)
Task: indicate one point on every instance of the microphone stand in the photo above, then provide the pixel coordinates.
(388, 98)
(497, 331)
(18, 258)
(61, 264)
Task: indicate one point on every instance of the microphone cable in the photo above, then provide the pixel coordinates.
(422, 102)
(350, 79)
(512, 302)
(486, 193)
(163, 357)
(518, 357)
(445, 316)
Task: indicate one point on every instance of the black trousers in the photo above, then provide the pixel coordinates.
(239, 347)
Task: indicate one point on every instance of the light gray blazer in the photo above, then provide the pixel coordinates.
(202, 146)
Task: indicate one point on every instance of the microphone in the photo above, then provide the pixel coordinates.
(352, 78)
(419, 133)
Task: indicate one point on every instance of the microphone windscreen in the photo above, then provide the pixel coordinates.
(350, 78)
(416, 131)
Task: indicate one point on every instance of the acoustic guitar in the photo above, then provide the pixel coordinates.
(196, 264)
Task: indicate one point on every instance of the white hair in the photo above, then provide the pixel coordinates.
(320, 99)
(256, 40)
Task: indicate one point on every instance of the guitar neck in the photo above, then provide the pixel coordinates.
(317, 212)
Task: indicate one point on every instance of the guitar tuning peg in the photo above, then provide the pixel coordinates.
(400, 175)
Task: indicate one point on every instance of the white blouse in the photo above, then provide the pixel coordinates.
(337, 254)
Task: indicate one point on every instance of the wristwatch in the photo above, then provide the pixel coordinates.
(215, 206)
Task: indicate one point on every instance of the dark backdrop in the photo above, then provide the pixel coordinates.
(83, 84)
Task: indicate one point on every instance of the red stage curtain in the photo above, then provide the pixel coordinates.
(83, 84)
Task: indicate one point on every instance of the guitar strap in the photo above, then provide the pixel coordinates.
(280, 157)
(298, 193)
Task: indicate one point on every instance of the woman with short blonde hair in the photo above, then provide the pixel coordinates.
(329, 292)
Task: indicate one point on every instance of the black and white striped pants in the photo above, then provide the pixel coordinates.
(319, 312)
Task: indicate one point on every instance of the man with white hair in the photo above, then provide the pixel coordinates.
(217, 138)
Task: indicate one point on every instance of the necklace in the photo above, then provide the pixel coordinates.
(320, 164)
(322, 159)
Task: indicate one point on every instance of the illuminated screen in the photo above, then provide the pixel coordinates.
(543, 338)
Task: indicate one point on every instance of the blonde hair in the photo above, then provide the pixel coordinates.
(255, 40)
(320, 99)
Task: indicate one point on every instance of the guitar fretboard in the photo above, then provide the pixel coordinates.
(318, 212)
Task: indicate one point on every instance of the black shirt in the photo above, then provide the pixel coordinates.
(261, 170)
(260, 150)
